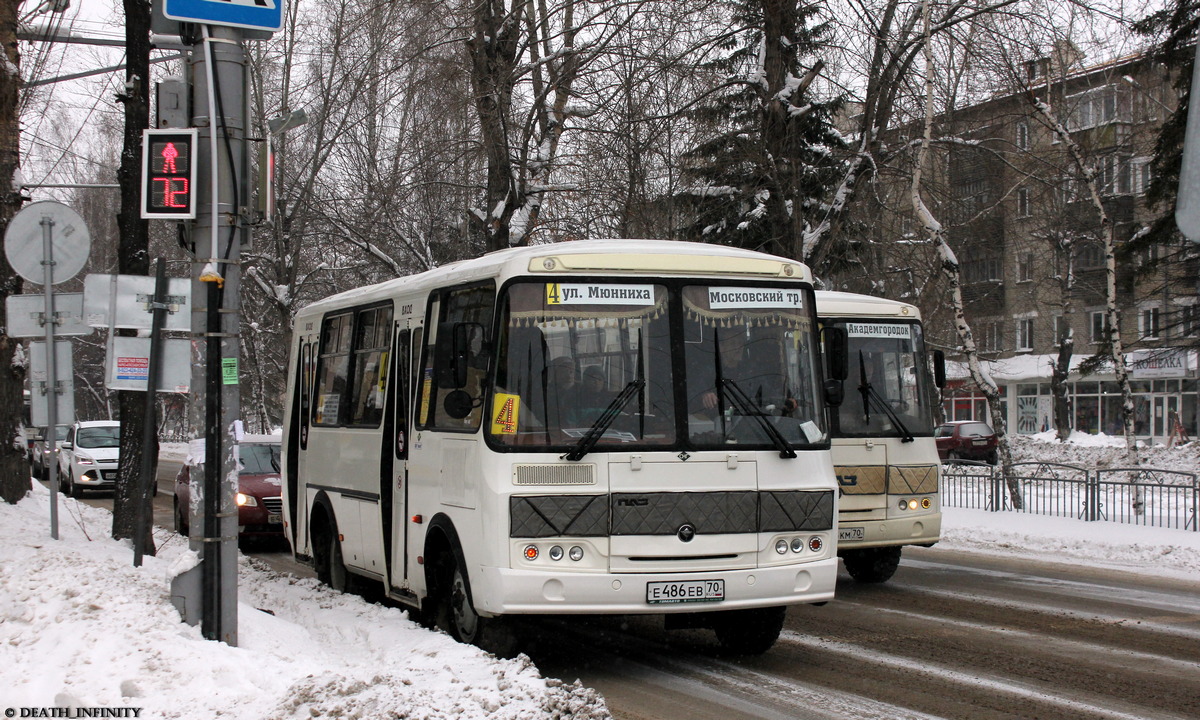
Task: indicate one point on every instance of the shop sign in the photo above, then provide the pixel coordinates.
(1149, 364)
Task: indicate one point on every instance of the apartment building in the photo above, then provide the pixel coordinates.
(1029, 239)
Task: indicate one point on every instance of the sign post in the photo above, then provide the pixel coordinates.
(47, 243)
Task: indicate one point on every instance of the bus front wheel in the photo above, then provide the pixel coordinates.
(458, 616)
(872, 565)
(749, 632)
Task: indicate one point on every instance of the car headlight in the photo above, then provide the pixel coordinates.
(244, 500)
(83, 460)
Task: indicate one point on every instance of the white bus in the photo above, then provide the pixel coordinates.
(883, 445)
(557, 429)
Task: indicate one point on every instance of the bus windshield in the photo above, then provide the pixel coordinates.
(889, 389)
(632, 364)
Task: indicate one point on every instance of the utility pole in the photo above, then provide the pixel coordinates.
(219, 110)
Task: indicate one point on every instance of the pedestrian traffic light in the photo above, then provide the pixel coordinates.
(169, 174)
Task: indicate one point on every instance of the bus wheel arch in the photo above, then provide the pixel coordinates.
(326, 546)
(450, 598)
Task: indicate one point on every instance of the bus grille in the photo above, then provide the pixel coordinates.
(554, 474)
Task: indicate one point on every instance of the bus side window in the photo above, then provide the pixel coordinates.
(333, 365)
(462, 305)
(370, 366)
(401, 373)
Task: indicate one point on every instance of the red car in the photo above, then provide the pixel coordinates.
(259, 498)
(967, 440)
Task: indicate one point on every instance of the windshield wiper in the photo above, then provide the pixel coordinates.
(596, 431)
(746, 407)
(870, 393)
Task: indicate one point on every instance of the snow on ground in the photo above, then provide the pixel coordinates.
(81, 627)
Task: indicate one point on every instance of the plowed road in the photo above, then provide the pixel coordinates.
(952, 635)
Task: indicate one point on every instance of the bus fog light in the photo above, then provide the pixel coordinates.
(556, 553)
(531, 552)
(815, 543)
(925, 503)
(576, 553)
(913, 504)
(797, 544)
(781, 546)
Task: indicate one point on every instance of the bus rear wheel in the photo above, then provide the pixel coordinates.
(872, 565)
(749, 632)
(327, 557)
(458, 616)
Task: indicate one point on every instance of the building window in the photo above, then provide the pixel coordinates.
(1148, 323)
(1023, 207)
(1089, 255)
(1025, 267)
(1140, 175)
(1059, 324)
(991, 337)
(1099, 320)
(1189, 320)
(1022, 136)
(1025, 334)
(1095, 107)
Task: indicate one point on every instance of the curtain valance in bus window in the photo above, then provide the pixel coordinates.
(541, 303)
(728, 306)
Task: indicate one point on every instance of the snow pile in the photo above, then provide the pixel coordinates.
(1102, 451)
(81, 627)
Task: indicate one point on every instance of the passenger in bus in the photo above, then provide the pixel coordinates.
(562, 394)
(754, 376)
(594, 398)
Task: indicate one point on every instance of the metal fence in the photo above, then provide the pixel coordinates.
(1137, 496)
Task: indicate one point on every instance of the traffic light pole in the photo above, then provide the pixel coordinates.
(219, 110)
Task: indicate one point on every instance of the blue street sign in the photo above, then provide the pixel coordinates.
(253, 14)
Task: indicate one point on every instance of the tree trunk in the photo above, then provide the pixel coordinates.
(133, 259)
(1058, 386)
(14, 472)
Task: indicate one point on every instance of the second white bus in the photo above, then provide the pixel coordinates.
(884, 451)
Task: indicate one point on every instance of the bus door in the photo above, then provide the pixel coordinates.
(395, 446)
(302, 402)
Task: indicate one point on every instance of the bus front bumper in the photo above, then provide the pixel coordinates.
(505, 591)
(919, 530)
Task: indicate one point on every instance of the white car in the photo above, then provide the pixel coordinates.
(89, 455)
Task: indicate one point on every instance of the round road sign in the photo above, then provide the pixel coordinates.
(70, 242)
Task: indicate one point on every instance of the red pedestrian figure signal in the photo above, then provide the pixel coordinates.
(168, 174)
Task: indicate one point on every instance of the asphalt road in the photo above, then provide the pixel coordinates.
(952, 635)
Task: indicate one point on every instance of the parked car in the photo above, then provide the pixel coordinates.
(967, 440)
(260, 491)
(87, 459)
(40, 461)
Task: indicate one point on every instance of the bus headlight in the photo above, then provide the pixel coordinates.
(576, 553)
(797, 545)
(781, 546)
(556, 553)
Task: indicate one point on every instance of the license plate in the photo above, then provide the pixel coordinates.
(108, 474)
(979, 442)
(685, 591)
(850, 533)
(274, 519)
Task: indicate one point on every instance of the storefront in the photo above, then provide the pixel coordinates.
(1164, 385)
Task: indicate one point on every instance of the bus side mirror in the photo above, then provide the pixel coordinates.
(939, 368)
(450, 355)
(835, 392)
(836, 364)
